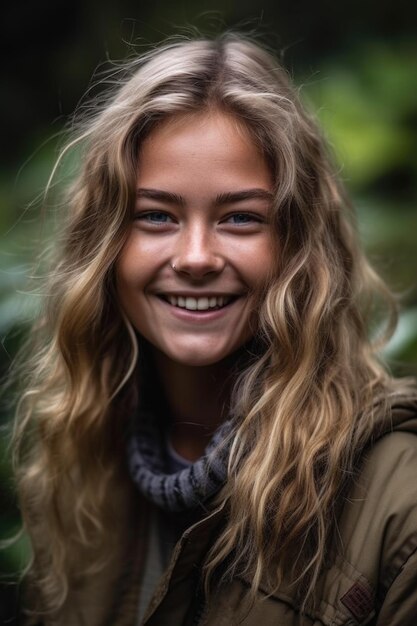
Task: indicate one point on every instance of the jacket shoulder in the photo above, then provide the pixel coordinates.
(378, 525)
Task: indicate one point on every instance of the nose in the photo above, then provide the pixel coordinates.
(197, 253)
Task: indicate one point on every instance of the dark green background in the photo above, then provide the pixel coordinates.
(355, 62)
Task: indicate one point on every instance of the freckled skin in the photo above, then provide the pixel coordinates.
(213, 248)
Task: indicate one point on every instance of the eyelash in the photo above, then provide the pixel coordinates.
(148, 214)
(253, 218)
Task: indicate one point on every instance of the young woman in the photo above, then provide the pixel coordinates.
(207, 435)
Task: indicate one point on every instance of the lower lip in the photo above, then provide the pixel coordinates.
(201, 317)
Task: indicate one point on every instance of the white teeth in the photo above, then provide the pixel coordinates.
(191, 304)
(198, 304)
(202, 304)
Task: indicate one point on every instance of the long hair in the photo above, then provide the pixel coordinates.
(303, 407)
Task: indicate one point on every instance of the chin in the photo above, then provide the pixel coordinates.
(198, 354)
(197, 359)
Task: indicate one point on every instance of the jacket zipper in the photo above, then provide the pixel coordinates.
(199, 614)
(199, 604)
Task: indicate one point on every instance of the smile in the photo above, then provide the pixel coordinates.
(204, 303)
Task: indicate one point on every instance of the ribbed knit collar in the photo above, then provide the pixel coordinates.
(187, 489)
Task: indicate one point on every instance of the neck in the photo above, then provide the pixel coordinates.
(197, 399)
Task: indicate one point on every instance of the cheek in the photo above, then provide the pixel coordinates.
(134, 262)
(261, 263)
(129, 273)
(124, 271)
(141, 258)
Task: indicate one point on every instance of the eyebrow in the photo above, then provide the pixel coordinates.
(228, 197)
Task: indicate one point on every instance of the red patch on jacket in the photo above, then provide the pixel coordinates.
(359, 601)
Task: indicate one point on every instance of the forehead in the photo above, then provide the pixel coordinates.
(204, 122)
(207, 145)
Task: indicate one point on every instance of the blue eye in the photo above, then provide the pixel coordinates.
(155, 217)
(243, 218)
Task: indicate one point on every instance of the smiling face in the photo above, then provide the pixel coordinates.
(200, 246)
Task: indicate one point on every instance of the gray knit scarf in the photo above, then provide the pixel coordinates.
(187, 489)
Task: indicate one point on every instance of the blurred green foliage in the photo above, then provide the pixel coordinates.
(368, 110)
(366, 102)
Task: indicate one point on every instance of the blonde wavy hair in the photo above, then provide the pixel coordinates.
(304, 407)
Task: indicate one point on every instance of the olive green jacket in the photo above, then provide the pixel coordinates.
(372, 580)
